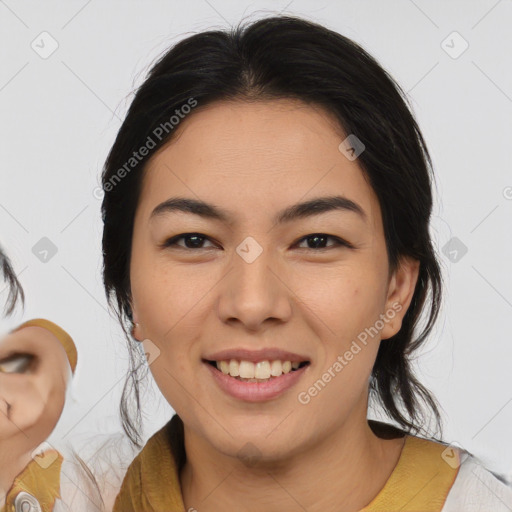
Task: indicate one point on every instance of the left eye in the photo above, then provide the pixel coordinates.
(17, 363)
(197, 239)
(319, 238)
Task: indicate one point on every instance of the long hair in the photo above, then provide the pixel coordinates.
(283, 57)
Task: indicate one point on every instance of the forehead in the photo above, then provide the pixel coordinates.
(260, 154)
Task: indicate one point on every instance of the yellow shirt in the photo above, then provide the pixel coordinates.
(421, 479)
(40, 480)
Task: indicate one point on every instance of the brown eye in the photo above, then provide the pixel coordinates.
(319, 238)
(16, 363)
(194, 239)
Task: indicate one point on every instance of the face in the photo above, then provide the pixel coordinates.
(261, 292)
(33, 372)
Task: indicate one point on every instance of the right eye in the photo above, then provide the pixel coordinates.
(17, 363)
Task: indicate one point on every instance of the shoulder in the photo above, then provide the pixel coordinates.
(433, 475)
(155, 463)
(477, 489)
(474, 487)
(141, 471)
(151, 454)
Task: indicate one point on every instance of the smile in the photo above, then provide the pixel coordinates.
(256, 381)
(261, 371)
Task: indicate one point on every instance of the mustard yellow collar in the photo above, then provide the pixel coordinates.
(41, 482)
(421, 479)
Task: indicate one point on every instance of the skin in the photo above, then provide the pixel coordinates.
(254, 159)
(36, 398)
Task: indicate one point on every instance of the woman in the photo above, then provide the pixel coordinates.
(266, 239)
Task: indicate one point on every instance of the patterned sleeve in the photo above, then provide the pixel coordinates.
(477, 489)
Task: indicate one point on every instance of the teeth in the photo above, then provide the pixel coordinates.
(276, 368)
(262, 370)
(246, 370)
(234, 368)
(223, 367)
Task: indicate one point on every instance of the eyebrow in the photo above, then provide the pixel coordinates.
(302, 210)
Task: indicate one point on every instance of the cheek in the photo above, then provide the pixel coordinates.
(345, 301)
(163, 292)
(169, 299)
(174, 375)
(338, 389)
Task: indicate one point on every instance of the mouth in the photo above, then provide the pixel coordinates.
(255, 381)
(260, 371)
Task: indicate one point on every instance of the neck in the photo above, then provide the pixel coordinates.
(343, 472)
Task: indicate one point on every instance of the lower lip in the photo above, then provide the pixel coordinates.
(256, 391)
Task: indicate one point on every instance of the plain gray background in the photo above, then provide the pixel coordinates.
(61, 112)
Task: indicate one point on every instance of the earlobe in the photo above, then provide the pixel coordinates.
(136, 331)
(400, 293)
(136, 334)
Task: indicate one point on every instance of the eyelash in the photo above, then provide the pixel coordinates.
(172, 242)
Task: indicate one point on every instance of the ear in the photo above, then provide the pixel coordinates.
(400, 293)
(136, 328)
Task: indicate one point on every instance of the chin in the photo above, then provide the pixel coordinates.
(258, 448)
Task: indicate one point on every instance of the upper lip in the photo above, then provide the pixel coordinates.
(265, 354)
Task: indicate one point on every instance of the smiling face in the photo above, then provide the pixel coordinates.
(256, 285)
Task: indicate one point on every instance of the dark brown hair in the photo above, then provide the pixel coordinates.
(289, 57)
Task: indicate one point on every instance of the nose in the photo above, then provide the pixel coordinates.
(254, 293)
